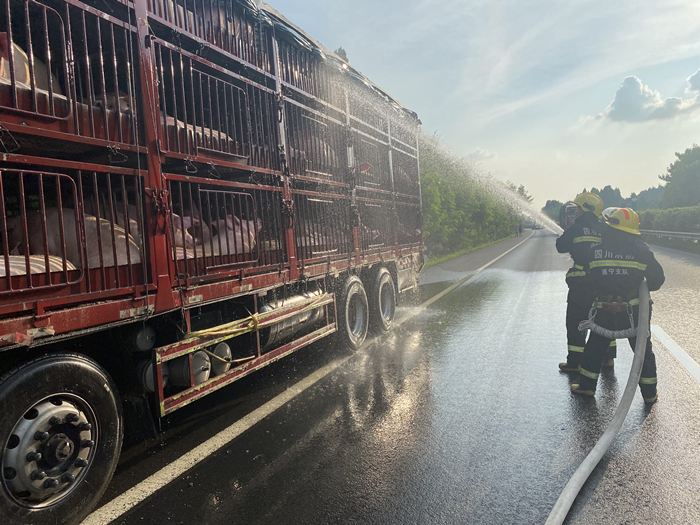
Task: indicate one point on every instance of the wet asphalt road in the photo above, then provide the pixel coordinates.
(458, 416)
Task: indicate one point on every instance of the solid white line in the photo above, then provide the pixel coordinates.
(135, 495)
(676, 351)
(455, 285)
(138, 493)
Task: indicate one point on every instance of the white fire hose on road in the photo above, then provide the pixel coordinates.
(568, 495)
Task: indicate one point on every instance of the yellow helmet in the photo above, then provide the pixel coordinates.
(590, 202)
(623, 219)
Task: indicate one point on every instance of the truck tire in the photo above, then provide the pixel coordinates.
(61, 434)
(382, 301)
(353, 313)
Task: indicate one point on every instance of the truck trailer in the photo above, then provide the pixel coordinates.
(189, 191)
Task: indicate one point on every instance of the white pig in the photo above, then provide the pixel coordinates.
(134, 229)
(35, 230)
(180, 226)
(22, 73)
(236, 236)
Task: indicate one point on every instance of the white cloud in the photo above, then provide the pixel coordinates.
(694, 82)
(481, 154)
(635, 102)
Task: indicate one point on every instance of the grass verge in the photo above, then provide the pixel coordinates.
(677, 244)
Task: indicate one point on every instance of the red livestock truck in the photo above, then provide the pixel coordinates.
(189, 190)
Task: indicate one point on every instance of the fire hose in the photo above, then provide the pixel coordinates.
(573, 487)
(590, 324)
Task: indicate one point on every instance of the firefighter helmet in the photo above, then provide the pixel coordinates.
(589, 202)
(623, 219)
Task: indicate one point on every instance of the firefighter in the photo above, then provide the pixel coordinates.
(576, 241)
(615, 268)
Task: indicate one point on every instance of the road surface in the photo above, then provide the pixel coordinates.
(458, 416)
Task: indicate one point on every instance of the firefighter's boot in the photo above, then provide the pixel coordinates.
(585, 385)
(649, 392)
(612, 354)
(568, 367)
(578, 389)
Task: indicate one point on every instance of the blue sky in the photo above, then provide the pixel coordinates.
(553, 95)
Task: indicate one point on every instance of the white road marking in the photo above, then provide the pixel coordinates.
(676, 351)
(138, 493)
(135, 495)
(455, 285)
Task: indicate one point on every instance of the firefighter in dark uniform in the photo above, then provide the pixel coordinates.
(576, 240)
(615, 269)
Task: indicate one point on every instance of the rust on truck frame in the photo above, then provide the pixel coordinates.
(171, 170)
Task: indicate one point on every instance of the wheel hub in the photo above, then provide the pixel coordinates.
(49, 449)
(59, 448)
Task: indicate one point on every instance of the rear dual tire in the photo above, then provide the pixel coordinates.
(382, 301)
(353, 313)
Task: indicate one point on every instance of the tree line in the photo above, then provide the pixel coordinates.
(673, 206)
(460, 212)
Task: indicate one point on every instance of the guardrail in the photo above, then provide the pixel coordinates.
(677, 235)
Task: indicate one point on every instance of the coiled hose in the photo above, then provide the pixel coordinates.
(589, 324)
(573, 487)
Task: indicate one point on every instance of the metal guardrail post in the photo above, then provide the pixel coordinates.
(568, 495)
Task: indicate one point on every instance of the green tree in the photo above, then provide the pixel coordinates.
(611, 196)
(519, 190)
(551, 209)
(342, 54)
(683, 180)
(459, 213)
(650, 199)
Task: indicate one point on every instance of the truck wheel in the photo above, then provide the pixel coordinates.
(382, 301)
(353, 313)
(61, 434)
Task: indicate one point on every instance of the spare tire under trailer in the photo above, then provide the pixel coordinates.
(61, 434)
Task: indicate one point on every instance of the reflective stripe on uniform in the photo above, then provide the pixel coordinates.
(586, 373)
(573, 348)
(613, 343)
(587, 238)
(576, 271)
(647, 380)
(632, 302)
(616, 263)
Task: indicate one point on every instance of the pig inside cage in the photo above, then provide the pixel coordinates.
(322, 226)
(405, 173)
(377, 225)
(409, 224)
(315, 145)
(199, 111)
(214, 226)
(70, 228)
(202, 114)
(372, 163)
(368, 111)
(226, 25)
(33, 66)
(106, 74)
(308, 72)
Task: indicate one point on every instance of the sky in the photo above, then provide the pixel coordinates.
(557, 96)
